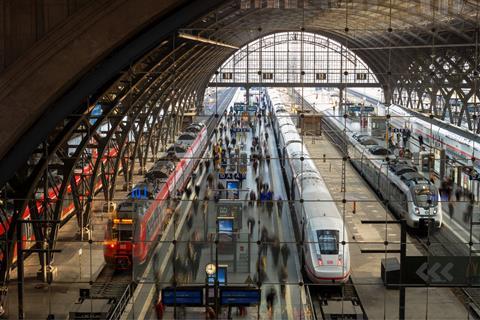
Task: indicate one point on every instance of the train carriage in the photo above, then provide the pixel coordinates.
(326, 251)
(144, 213)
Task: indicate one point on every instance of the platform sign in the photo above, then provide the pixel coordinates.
(438, 271)
(182, 296)
(238, 106)
(358, 108)
(231, 176)
(232, 296)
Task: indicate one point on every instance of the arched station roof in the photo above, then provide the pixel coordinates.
(294, 58)
(114, 75)
(389, 35)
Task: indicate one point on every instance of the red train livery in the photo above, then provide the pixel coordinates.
(138, 221)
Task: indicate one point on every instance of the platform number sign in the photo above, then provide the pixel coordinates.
(267, 76)
(227, 76)
(321, 76)
(361, 76)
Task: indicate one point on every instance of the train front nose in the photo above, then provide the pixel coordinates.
(332, 268)
(118, 254)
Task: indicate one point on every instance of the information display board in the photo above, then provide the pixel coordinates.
(233, 187)
(231, 209)
(225, 225)
(232, 296)
(222, 276)
(182, 296)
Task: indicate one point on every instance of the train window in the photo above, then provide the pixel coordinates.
(328, 241)
(123, 234)
(425, 197)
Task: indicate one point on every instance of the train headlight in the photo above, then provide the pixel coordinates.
(417, 211)
(434, 211)
(320, 262)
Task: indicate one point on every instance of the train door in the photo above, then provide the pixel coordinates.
(283, 156)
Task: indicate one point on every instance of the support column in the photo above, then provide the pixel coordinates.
(340, 101)
(247, 95)
(387, 93)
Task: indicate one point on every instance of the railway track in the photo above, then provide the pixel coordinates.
(443, 244)
(328, 301)
(336, 302)
(108, 296)
(437, 243)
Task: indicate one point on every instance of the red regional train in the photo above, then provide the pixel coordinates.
(67, 208)
(139, 220)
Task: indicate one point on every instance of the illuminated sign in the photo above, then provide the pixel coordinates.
(240, 296)
(182, 296)
(140, 193)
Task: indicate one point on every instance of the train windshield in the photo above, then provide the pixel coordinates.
(123, 233)
(328, 241)
(425, 196)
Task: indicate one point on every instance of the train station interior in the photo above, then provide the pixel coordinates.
(239, 159)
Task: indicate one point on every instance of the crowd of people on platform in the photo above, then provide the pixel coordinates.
(229, 140)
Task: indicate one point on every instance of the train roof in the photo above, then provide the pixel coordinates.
(159, 171)
(411, 178)
(379, 151)
(187, 136)
(291, 138)
(402, 168)
(325, 221)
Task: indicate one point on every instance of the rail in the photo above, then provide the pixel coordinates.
(122, 303)
(436, 246)
(318, 299)
(307, 303)
(210, 125)
(471, 296)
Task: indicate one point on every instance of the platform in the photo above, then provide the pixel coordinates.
(294, 304)
(78, 264)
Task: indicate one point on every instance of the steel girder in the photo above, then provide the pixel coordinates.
(78, 190)
(446, 72)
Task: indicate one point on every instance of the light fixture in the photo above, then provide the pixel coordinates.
(205, 40)
(210, 269)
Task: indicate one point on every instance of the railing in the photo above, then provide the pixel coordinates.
(121, 303)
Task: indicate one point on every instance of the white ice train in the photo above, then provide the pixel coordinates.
(456, 146)
(408, 193)
(326, 249)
